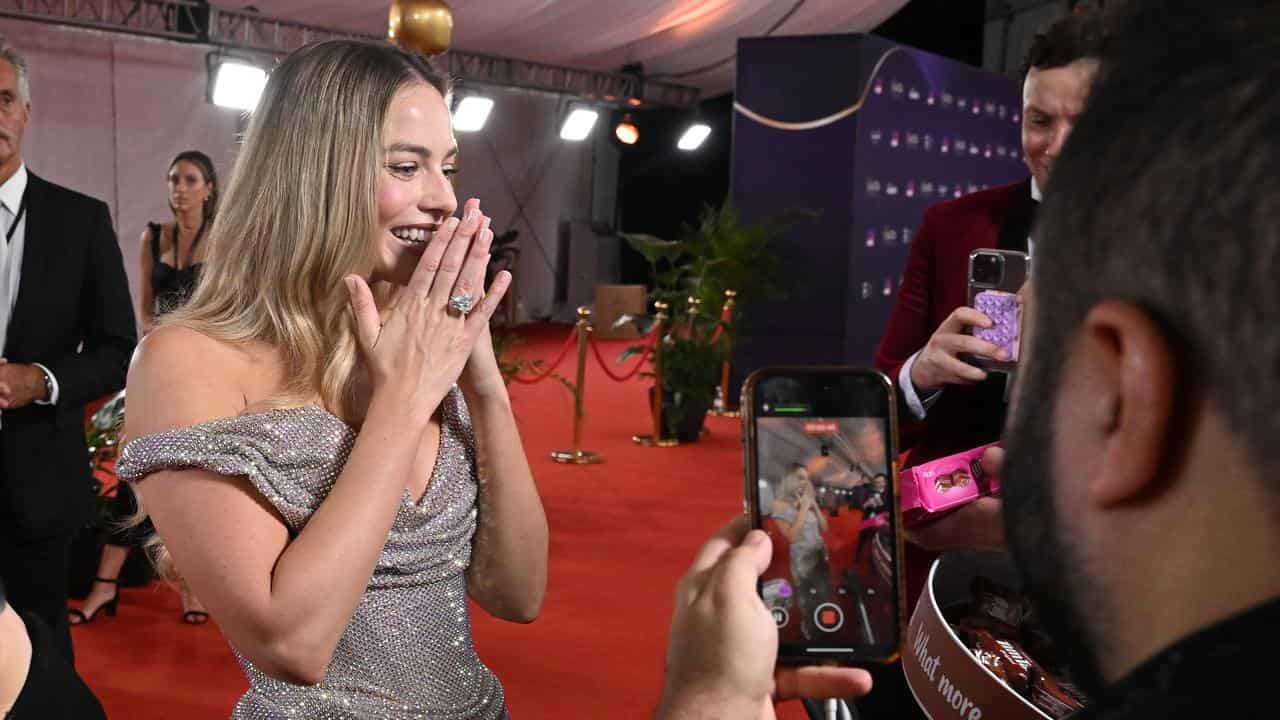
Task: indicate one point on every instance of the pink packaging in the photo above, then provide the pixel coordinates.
(937, 487)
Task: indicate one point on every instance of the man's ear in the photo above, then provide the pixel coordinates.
(1127, 389)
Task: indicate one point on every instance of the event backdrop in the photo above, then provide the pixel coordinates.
(867, 134)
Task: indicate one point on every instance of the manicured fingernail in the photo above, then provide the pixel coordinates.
(1002, 356)
(473, 213)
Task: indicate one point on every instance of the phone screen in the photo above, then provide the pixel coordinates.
(823, 487)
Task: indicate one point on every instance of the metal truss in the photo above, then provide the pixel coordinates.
(614, 88)
(244, 30)
(175, 20)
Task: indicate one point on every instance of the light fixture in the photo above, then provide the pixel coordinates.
(577, 126)
(472, 113)
(694, 136)
(237, 84)
(626, 131)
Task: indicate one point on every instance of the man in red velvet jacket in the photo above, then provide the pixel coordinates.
(949, 405)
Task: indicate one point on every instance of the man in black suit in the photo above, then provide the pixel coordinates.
(67, 332)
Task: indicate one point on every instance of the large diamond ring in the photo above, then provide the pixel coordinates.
(463, 302)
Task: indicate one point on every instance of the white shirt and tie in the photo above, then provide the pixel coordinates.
(11, 193)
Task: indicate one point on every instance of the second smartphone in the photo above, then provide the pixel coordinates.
(821, 480)
(995, 277)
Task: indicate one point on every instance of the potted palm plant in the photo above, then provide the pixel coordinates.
(690, 275)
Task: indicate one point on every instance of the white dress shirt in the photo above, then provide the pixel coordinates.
(919, 406)
(11, 193)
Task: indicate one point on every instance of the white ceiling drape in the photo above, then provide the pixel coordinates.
(689, 40)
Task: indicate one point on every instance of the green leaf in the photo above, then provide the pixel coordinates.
(654, 249)
(631, 352)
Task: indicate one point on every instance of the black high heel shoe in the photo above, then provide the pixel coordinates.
(109, 607)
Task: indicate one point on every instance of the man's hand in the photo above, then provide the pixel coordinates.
(976, 525)
(20, 385)
(724, 642)
(939, 365)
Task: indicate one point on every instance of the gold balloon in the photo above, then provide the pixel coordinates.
(422, 25)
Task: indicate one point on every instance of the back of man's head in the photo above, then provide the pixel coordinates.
(1167, 197)
(1143, 440)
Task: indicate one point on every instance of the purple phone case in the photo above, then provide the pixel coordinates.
(1003, 309)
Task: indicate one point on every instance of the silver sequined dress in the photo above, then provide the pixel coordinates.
(407, 652)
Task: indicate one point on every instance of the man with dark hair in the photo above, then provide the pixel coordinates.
(947, 405)
(1152, 371)
(1154, 368)
(950, 405)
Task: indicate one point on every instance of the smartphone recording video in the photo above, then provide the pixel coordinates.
(821, 483)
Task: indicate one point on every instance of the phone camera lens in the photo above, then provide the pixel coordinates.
(988, 269)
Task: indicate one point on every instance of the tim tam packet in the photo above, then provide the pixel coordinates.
(932, 489)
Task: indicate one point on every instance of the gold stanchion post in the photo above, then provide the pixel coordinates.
(578, 456)
(655, 406)
(724, 410)
(695, 306)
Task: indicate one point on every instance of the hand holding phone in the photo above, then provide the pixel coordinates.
(945, 359)
(721, 659)
(995, 277)
(837, 562)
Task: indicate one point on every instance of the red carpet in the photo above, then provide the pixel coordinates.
(621, 534)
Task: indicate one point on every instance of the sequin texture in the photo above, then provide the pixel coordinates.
(407, 652)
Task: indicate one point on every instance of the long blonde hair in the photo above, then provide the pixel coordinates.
(300, 213)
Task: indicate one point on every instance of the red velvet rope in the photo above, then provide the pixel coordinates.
(564, 352)
(648, 350)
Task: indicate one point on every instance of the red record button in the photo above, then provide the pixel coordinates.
(828, 617)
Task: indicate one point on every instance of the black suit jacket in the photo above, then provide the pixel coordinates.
(73, 315)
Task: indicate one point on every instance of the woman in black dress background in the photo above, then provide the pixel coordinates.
(170, 256)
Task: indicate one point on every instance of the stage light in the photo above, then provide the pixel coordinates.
(472, 113)
(577, 126)
(626, 131)
(238, 84)
(693, 138)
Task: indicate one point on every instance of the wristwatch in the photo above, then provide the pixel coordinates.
(48, 385)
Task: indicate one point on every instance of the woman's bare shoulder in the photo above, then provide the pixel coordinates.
(180, 376)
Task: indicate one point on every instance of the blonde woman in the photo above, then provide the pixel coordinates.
(346, 470)
(802, 523)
